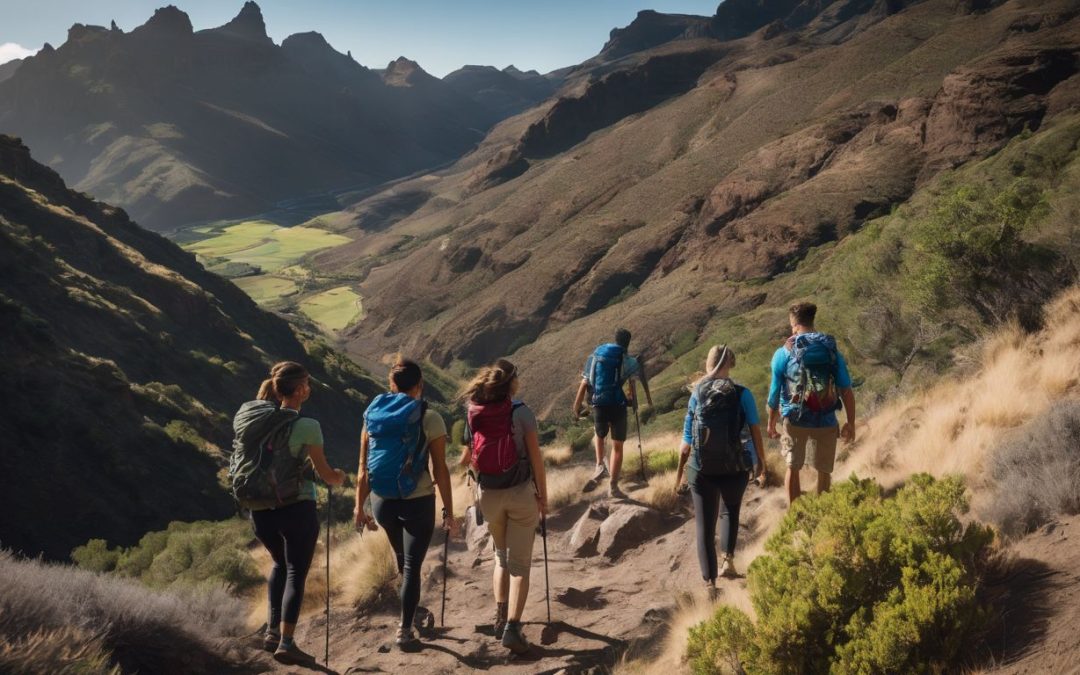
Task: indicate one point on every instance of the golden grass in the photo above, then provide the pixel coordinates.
(951, 427)
(660, 493)
(690, 610)
(364, 570)
(557, 455)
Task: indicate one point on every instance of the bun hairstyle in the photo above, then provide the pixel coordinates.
(285, 378)
(720, 356)
(491, 384)
(405, 374)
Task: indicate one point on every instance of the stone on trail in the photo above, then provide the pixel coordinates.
(586, 533)
(476, 536)
(627, 527)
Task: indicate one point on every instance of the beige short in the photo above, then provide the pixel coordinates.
(512, 515)
(793, 442)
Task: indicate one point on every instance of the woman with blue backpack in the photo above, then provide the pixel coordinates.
(400, 438)
(503, 455)
(719, 414)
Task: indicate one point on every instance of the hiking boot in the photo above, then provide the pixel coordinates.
(683, 490)
(289, 654)
(501, 609)
(727, 570)
(615, 492)
(513, 639)
(711, 591)
(405, 638)
(270, 641)
(598, 475)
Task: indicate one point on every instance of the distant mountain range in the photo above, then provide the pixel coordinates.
(123, 361)
(177, 125)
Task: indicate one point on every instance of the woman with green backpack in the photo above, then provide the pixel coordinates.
(281, 495)
(503, 454)
(401, 436)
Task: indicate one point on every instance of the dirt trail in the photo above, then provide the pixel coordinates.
(600, 609)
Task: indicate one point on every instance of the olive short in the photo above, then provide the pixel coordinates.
(793, 442)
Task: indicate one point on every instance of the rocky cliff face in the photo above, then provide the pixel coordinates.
(124, 361)
(177, 125)
(664, 202)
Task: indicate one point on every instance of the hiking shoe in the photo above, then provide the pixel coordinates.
(727, 570)
(615, 492)
(500, 618)
(290, 654)
(513, 639)
(271, 640)
(405, 638)
(598, 475)
(712, 591)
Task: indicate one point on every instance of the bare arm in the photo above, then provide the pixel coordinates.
(580, 398)
(774, 418)
(536, 461)
(363, 487)
(332, 477)
(437, 450)
(759, 448)
(684, 456)
(848, 397)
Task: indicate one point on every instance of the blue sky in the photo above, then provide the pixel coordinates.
(442, 35)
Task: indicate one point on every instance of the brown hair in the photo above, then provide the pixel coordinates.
(285, 378)
(491, 383)
(405, 374)
(803, 313)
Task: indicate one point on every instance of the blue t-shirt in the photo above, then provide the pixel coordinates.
(780, 397)
(749, 407)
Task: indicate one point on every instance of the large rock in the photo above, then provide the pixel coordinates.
(586, 532)
(626, 527)
(477, 537)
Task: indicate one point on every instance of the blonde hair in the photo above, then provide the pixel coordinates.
(491, 383)
(720, 356)
(285, 378)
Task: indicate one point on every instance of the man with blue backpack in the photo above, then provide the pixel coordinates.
(607, 370)
(810, 382)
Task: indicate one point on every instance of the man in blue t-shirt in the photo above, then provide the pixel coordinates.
(610, 416)
(805, 396)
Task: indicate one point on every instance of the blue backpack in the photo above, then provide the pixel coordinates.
(397, 448)
(811, 374)
(604, 372)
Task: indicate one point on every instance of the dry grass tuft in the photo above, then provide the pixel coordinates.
(690, 610)
(364, 570)
(557, 455)
(564, 486)
(660, 493)
(64, 619)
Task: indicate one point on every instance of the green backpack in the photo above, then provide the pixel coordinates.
(262, 472)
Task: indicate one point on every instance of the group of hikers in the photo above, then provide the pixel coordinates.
(402, 461)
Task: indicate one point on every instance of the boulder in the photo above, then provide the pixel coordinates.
(586, 532)
(627, 527)
(477, 537)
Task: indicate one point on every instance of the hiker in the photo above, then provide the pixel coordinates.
(282, 503)
(810, 382)
(401, 436)
(718, 467)
(503, 454)
(606, 372)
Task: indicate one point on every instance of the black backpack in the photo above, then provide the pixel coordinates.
(262, 471)
(717, 426)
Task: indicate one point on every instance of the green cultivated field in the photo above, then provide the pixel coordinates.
(333, 309)
(265, 289)
(263, 244)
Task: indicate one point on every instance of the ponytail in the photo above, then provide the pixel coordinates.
(285, 378)
(491, 384)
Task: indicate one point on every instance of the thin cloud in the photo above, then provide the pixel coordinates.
(9, 51)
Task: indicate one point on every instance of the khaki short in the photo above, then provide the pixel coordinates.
(793, 442)
(512, 515)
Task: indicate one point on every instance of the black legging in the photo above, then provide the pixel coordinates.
(409, 523)
(289, 534)
(710, 493)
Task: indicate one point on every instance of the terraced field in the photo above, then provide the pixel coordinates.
(333, 309)
(262, 244)
(265, 289)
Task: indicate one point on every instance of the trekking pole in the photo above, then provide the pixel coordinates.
(445, 560)
(547, 585)
(641, 453)
(329, 511)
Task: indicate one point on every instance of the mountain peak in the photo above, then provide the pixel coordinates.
(248, 24)
(167, 20)
(403, 72)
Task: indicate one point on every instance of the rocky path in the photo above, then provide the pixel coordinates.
(616, 569)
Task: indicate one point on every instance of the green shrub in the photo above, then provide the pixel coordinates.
(853, 582)
(95, 556)
(457, 433)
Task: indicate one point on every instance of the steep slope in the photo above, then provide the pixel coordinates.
(8, 69)
(177, 125)
(506, 92)
(123, 363)
(669, 190)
